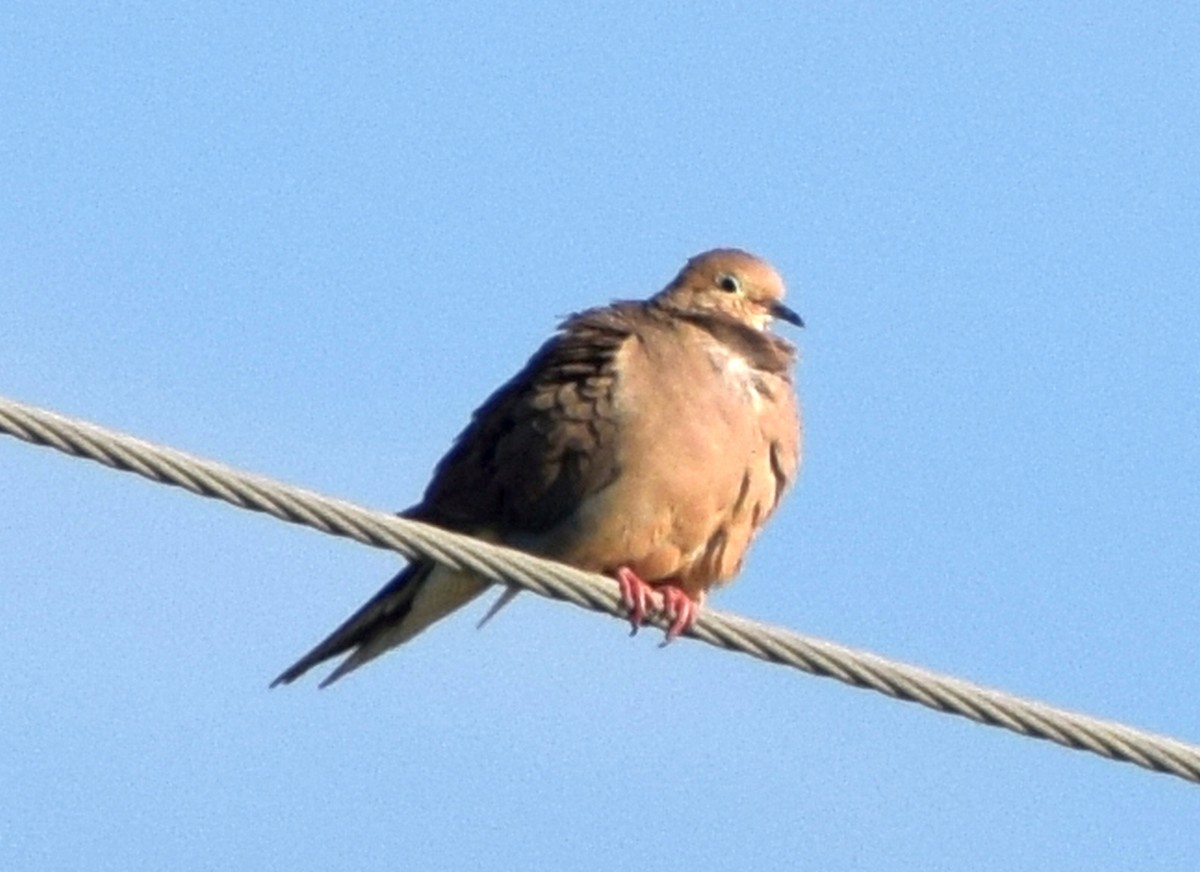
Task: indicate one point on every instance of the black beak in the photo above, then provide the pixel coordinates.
(783, 313)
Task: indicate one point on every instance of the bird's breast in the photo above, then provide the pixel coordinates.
(703, 439)
(739, 379)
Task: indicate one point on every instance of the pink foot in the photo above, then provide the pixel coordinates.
(636, 595)
(639, 597)
(680, 608)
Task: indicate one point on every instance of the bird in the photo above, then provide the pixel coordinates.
(647, 440)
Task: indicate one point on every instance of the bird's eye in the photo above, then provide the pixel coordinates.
(728, 283)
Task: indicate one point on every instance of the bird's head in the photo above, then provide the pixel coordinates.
(733, 283)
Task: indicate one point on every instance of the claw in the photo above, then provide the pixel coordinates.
(680, 608)
(637, 596)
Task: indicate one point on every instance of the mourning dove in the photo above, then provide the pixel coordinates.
(647, 440)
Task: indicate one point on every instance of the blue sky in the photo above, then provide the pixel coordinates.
(308, 241)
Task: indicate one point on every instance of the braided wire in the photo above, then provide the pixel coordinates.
(942, 693)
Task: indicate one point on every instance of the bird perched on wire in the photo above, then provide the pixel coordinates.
(646, 440)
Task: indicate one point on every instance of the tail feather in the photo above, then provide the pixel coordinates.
(506, 596)
(419, 595)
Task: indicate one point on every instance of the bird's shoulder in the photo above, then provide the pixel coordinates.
(546, 439)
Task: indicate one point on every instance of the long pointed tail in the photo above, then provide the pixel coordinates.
(419, 595)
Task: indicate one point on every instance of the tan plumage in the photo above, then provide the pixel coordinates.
(653, 437)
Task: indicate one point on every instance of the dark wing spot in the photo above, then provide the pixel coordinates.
(743, 492)
(714, 553)
(781, 477)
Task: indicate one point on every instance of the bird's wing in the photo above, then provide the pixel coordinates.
(544, 441)
(533, 452)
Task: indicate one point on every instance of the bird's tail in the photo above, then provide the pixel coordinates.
(422, 593)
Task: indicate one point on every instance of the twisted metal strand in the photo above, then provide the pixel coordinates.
(504, 565)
